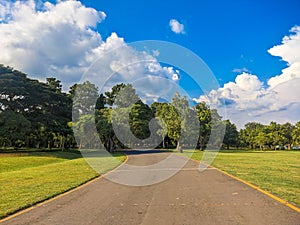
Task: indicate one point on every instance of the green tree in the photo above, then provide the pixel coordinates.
(111, 95)
(261, 139)
(54, 84)
(276, 135)
(287, 130)
(139, 118)
(296, 134)
(43, 105)
(84, 100)
(160, 110)
(231, 134)
(14, 128)
(249, 134)
(204, 114)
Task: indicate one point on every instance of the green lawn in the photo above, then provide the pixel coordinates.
(277, 172)
(28, 178)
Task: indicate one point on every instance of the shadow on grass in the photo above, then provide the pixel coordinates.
(67, 154)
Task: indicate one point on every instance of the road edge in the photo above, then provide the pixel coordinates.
(278, 199)
(22, 211)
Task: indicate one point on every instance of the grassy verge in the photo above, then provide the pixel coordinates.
(275, 171)
(26, 179)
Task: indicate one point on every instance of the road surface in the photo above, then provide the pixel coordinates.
(188, 197)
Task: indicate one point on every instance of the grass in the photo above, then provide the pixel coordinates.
(277, 172)
(29, 178)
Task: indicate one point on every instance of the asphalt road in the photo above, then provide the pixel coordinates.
(188, 197)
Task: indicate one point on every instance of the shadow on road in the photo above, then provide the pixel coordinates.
(143, 151)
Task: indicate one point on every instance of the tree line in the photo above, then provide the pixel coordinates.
(34, 114)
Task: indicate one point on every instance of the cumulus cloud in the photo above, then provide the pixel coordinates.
(61, 40)
(249, 99)
(4, 9)
(289, 51)
(118, 62)
(53, 40)
(176, 27)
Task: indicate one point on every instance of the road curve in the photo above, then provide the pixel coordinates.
(188, 197)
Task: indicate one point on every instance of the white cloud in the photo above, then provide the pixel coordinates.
(51, 41)
(289, 51)
(61, 40)
(4, 9)
(249, 99)
(126, 65)
(176, 27)
(241, 70)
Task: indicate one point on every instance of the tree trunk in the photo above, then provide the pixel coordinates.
(164, 144)
(111, 146)
(178, 148)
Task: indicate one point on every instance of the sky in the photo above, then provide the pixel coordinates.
(251, 47)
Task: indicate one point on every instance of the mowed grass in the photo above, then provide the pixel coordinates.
(29, 178)
(277, 172)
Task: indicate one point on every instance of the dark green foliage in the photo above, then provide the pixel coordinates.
(44, 106)
(139, 118)
(36, 114)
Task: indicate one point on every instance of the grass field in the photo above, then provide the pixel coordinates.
(28, 178)
(277, 172)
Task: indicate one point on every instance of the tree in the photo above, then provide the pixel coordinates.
(261, 139)
(105, 129)
(100, 103)
(287, 130)
(275, 135)
(159, 110)
(249, 134)
(54, 84)
(231, 134)
(204, 115)
(86, 132)
(14, 128)
(72, 90)
(178, 112)
(84, 100)
(139, 118)
(124, 96)
(43, 105)
(296, 134)
(111, 95)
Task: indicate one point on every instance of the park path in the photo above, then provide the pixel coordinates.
(188, 197)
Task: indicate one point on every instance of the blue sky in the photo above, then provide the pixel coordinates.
(225, 34)
(252, 47)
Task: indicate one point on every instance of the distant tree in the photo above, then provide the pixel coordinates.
(296, 134)
(54, 84)
(139, 119)
(124, 96)
(100, 103)
(261, 139)
(249, 134)
(14, 128)
(105, 129)
(231, 134)
(111, 95)
(276, 135)
(160, 110)
(84, 100)
(72, 90)
(43, 105)
(204, 115)
(287, 130)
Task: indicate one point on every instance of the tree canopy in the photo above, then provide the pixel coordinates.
(40, 115)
